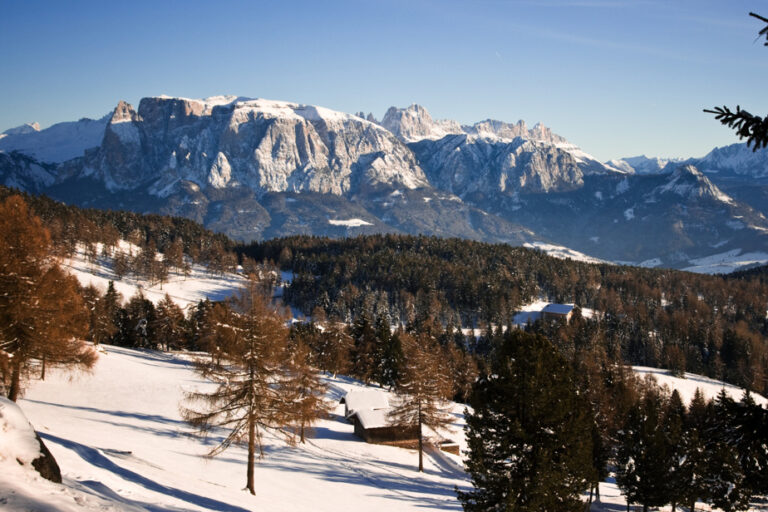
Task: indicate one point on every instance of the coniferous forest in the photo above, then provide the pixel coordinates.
(389, 310)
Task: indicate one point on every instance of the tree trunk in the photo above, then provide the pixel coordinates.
(421, 444)
(42, 372)
(597, 491)
(251, 452)
(301, 432)
(693, 505)
(15, 389)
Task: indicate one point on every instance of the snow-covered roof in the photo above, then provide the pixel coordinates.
(558, 309)
(372, 418)
(365, 400)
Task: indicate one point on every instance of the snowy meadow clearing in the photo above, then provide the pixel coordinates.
(118, 436)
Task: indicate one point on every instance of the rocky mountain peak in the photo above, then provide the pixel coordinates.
(415, 123)
(23, 129)
(687, 181)
(123, 113)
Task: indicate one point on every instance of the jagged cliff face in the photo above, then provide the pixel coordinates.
(414, 123)
(465, 165)
(267, 146)
(258, 169)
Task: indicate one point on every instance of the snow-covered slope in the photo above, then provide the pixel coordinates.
(563, 253)
(122, 445)
(123, 440)
(183, 290)
(688, 384)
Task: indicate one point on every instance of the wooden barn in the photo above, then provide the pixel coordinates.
(557, 312)
(368, 410)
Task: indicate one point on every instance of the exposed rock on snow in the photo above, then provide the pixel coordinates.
(20, 444)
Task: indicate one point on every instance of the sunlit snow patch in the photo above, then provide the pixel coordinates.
(350, 223)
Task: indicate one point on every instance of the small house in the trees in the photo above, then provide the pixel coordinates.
(368, 411)
(557, 312)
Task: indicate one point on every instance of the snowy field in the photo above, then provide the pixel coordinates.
(122, 445)
(122, 441)
(183, 290)
(563, 253)
(727, 262)
(686, 386)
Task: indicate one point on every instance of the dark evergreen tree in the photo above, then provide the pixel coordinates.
(529, 432)
(674, 431)
(724, 476)
(365, 363)
(644, 457)
(690, 484)
(751, 427)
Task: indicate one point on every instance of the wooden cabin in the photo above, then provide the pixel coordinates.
(557, 312)
(368, 410)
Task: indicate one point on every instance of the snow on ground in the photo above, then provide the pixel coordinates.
(184, 291)
(687, 385)
(562, 253)
(123, 440)
(350, 223)
(122, 445)
(725, 262)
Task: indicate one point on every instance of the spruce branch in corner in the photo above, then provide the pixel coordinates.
(753, 128)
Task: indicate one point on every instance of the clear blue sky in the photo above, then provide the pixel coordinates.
(617, 77)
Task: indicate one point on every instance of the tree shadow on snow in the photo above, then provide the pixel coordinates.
(95, 458)
(154, 418)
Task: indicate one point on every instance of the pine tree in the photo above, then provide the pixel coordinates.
(168, 326)
(751, 423)
(336, 347)
(250, 376)
(689, 480)
(103, 326)
(422, 389)
(529, 432)
(644, 457)
(42, 315)
(674, 431)
(364, 353)
(724, 477)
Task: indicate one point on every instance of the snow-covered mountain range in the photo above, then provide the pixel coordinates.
(256, 168)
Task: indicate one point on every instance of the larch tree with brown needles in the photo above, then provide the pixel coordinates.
(422, 388)
(42, 315)
(252, 393)
(306, 389)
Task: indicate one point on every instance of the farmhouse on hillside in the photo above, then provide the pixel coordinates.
(368, 410)
(557, 312)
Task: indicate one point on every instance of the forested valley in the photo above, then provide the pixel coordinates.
(379, 306)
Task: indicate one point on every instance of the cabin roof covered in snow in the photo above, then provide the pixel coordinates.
(367, 399)
(558, 309)
(372, 418)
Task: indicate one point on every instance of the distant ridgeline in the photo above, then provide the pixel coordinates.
(711, 325)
